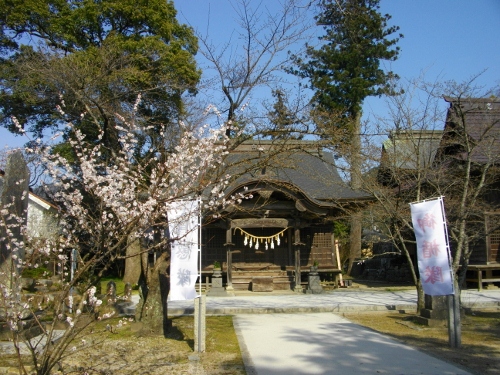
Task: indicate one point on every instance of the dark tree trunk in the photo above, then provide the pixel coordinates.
(132, 261)
(356, 184)
(154, 285)
(420, 297)
(355, 240)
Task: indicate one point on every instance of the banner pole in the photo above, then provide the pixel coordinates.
(200, 306)
(454, 329)
(448, 248)
(199, 245)
(199, 278)
(454, 326)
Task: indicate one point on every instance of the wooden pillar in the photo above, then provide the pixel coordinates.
(297, 244)
(338, 277)
(229, 245)
(334, 252)
(298, 285)
(454, 326)
(229, 284)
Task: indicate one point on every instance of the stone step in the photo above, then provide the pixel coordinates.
(259, 273)
(273, 281)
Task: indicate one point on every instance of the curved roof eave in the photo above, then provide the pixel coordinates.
(294, 190)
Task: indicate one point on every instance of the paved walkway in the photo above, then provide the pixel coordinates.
(325, 343)
(302, 334)
(342, 300)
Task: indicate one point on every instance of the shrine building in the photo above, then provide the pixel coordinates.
(293, 195)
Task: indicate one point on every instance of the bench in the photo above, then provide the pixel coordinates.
(488, 278)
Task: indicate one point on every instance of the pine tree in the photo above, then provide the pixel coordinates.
(343, 71)
(282, 119)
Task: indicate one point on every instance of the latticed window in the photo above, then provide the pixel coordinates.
(495, 238)
(318, 247)
(213, 248)
(322, 240)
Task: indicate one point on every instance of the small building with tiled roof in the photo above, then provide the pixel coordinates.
(407, 152)
(293, 193)
(479, 118)
(438, 161)
(42, 217)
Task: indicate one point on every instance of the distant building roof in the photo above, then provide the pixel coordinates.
(46, 205)
(410, 149)
(480, 119)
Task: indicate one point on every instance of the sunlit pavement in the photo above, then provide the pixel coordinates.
(331, 301)
(325, 343)
(303, 334)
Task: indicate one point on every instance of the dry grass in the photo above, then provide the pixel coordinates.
(480, 351)
(129, 351)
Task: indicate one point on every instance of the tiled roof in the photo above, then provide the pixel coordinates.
(42, 202)
(482, 125)
(302, 164)
(410, 150)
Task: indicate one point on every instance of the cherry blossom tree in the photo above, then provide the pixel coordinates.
(102, 204)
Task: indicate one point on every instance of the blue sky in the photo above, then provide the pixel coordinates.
(443, 39)
(451, 39)
(446, 39)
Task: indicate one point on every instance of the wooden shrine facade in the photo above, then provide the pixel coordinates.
(284, 225)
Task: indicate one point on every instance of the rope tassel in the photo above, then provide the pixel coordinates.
(253, 241)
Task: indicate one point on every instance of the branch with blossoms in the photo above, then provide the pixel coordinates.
(104, 198)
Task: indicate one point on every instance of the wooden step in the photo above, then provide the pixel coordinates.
(278, 281)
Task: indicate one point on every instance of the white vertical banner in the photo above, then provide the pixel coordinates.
(183, 218)
(433, 252)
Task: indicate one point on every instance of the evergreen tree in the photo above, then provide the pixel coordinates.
(94, 57)
(283, 121)
(343, 71)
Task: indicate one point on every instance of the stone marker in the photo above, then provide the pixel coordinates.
(435, 313)
(14, 199)
(314, 283)
(217, 290)
(14, 206)
(127, 294)
(125, 306)
(111, 292)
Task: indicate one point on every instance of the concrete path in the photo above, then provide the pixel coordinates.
(332, 301)
(325, 343)
(303, 334)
